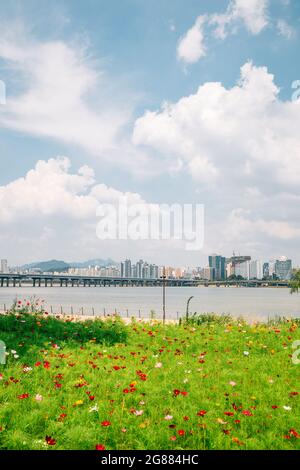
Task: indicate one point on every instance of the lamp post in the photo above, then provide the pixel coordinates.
(187, 307)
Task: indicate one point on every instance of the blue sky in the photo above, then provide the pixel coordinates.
(128, 58)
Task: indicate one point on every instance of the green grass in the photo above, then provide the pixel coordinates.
(83, 371)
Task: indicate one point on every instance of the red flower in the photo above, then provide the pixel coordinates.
(173, 438)
(186, 418)
(201, 413)
(176, 392)
(116, 367)
(274, 407)
(99, 447)
(247, 413)
(181, 432)
(293, 394)
(105, 423)
(57, 385)
(37, 364)
(228, 413)
(62, 416)
(184, 393)
(126, 390)
(92, 397)
(46, 365)
(237, 421)
(23, 396)
(294, 433)
(50, 441)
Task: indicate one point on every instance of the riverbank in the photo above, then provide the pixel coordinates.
(222, 384)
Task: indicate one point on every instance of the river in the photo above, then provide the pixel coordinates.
(251, 303)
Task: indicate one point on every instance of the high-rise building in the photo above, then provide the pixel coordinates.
(242, 269)
(218, 264)
(4, 266)
(255, 269)
(283, 268)
(207, 273)
(139, 267)
(266, 270)
(272, 268)
(126, 269)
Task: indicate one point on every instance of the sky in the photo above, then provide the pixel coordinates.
(161, 102)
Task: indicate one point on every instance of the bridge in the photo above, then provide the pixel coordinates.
(68, 280)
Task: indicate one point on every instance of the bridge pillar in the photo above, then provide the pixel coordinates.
(7, 282)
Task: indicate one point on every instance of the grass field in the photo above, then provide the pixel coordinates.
(221, 384)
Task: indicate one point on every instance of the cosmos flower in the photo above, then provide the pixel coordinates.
(247, 413)
(50, 441)
(23, 396)
(105, 423)
(38, 397)
(99, 447)
(168, 417)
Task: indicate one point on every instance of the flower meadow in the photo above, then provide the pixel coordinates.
(104, 385)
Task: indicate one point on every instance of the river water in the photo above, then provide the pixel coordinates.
(251, 303)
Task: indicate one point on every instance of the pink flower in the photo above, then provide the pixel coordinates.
(232, 383)
(168, 417)
(38, 397)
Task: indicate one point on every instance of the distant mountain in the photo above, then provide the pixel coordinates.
(58, 265)
(93, 262)
(48, 266)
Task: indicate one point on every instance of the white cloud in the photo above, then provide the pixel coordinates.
(241, 224)
(65, 95)
(253, 14)
(191, 46)
(51, 190)
(234, 133)
(284, 29)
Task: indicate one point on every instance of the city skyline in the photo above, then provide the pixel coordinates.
(111, 100)
(219, 268)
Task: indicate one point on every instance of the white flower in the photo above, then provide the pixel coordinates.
(13, 351)
(168, 417)
(27, 369)
(93, 409)
(16, 356)
(38, 397)
(141, 403)
(158, 365)
(287, 408)
(232, 383)
(185, 381)
(246, 353)
(138, 412)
